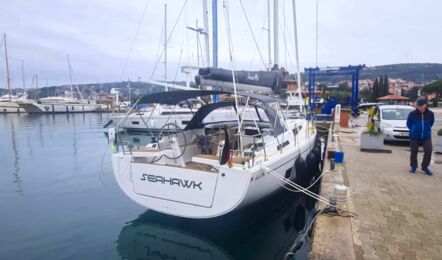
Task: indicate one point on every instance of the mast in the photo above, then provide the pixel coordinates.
(23, 75)
(36, 88)
(130, 97)
(206, 32)
(215, 32)
(275, 32)
(298, 71)
(70, 76)
(197, 44)
(165, 48)
(8, 79)
(269, 35)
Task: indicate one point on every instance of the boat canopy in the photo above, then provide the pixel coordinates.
(261, 81)
(197, 120)
(174, 97)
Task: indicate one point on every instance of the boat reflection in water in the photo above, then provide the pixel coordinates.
(264, 230)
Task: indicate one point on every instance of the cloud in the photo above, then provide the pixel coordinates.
(98, 36)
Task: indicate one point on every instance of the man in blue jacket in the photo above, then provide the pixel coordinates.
(420, 122)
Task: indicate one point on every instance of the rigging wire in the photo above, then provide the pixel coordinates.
(181, 52)
(134, 39)
(157, 54)
(232, 64)
(317, 25)
(287, 51)
(200, 50)
(186, 16)
(260, 35)
(168, 39)
(253, 35)
(178, 66)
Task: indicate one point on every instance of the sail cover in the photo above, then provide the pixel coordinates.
(261, 81)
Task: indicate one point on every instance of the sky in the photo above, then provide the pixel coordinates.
(114, 40)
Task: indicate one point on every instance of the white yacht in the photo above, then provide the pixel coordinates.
(209, 168)
(61, 104)
(10, 103)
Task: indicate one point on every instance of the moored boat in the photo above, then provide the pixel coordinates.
(62, 105)
(208, 169)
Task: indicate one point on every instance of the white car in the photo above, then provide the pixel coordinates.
(393, 122)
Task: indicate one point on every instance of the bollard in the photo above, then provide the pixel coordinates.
(332, 164)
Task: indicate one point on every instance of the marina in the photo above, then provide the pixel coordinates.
(51, 161)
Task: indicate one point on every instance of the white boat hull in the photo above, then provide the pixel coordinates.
(10, 107)
(62, 108)
(197, 194)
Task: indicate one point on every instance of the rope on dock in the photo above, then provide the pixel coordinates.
(298, 187)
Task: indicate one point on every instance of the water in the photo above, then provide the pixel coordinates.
(59, 200)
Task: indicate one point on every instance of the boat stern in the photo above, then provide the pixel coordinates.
(186, 192)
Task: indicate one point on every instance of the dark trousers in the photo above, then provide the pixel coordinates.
(428, 149)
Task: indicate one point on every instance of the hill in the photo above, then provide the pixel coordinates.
(416, 72)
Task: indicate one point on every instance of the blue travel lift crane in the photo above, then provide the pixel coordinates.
(335, 71)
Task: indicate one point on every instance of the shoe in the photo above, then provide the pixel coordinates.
(427, 171)
(412, 170)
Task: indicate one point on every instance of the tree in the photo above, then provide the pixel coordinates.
(381, 87)
(386, 85)
(375, 90)
(411, 93)
(434, 87)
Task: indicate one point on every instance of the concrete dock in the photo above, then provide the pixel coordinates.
(399, 214)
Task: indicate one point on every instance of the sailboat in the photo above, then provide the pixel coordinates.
(215, 165)
(8, 102)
